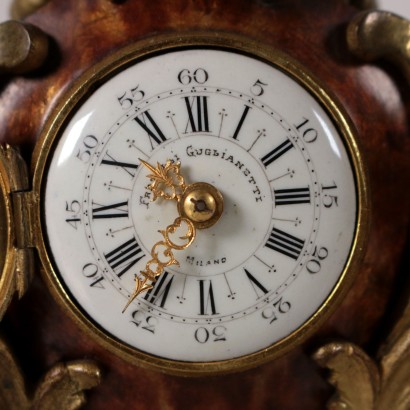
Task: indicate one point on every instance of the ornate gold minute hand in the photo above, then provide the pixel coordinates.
(200, 205)
(164, 248)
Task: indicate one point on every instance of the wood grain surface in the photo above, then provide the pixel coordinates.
(376, 98)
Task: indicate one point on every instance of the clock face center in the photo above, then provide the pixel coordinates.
(227, 168)
(202, 203)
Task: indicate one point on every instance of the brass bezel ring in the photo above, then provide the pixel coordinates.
(162, 44)
(7, 239)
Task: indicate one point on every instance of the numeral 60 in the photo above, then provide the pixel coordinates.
(199, 76)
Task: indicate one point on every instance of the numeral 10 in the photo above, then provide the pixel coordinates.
(309, 134)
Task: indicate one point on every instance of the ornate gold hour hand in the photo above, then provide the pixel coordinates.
(200, 206)
(167, 181)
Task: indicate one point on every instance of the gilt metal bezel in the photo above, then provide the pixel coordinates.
(6, 237)
(118, 61)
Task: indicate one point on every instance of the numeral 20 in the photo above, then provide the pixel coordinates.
(314, 265)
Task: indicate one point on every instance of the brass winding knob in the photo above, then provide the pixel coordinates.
(201, 203)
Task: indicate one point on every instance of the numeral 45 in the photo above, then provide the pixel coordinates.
(74, 210)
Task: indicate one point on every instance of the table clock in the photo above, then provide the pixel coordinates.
(198, 196)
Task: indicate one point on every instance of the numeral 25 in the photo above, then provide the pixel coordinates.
(278, 308)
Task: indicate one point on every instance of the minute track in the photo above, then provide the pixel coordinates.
(213, 96)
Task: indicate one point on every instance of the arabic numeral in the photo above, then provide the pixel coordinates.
(329, 199)
(257, 89)
(92, 272)
(217, 334)
(89, 143)
(143, 321)
(74, 209)
(314, 265)
(198, 76)
(278, 308)
(309, 134)
(131, 97)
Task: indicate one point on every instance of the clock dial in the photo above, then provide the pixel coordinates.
(284, 241)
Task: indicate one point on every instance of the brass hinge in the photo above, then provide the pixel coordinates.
(23, 201)
(22, 204)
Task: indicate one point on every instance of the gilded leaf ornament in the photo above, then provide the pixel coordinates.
(62, 388)
(353, 373)
(365, 384)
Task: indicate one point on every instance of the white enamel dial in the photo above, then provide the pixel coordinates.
(290, 204)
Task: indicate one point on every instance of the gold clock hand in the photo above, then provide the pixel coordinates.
(168, 182)
(200, 205)
(155, 266)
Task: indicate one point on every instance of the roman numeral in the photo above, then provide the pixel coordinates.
(285, 244)
(206, 298)
(197, 108)
(127, 167)
(159, 293)
(259, 289)
(292, 196)
(241, 121)
(118, 210)
(124, 257)
(150, 126)
(276, 153)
